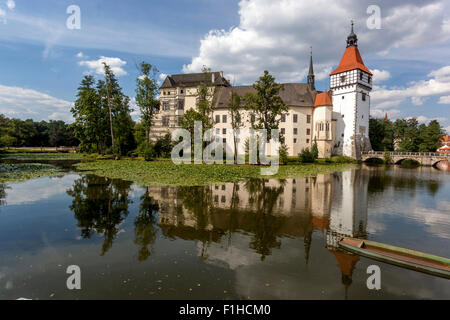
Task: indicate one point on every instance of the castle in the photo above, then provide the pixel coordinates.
(338, 120)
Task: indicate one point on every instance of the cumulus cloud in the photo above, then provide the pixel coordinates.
(97, 67)
(380, 75)
(444, 100)
(10, 5)
(448, 129)
(27, 103)
(277, 35)
(417, 92)
(80, 55)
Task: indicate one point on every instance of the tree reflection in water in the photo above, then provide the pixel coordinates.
(100, 205)
(145, 229)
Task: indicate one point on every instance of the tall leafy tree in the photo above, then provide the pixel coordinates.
(266, 103)
(146, 96)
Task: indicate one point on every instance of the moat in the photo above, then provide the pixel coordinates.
(258, 239)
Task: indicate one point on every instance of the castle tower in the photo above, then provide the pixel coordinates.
(351, 84)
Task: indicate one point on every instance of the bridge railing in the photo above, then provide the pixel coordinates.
(408, 154)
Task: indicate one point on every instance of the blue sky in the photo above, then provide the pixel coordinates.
(42, 61)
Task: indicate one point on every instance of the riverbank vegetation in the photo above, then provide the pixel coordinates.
(167, 173)
(25, 171)
(405, 135)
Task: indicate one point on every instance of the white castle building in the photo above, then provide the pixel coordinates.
(337, 119)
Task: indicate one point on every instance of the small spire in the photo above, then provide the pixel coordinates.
(311, 77)
(352, 39)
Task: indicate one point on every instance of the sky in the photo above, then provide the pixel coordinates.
(43, 58)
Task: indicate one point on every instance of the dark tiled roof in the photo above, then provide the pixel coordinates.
(293, 94)
(194, 80)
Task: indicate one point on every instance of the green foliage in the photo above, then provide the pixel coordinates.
(266, 104)
(406, 135)
(164, 146)
(100, 111)
(283, 151)
(306, 156)
(21, 172)
(149, 153)
(27, 133)
(315, 149)
(165, 173)
(146, 96)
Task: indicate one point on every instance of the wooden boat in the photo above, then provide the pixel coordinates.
(401, 257)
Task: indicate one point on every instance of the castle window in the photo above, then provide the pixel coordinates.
(295, 118)
(343, 79)
(283, 130)
(224, 131)
(343, 97)
(308, 118)
(363, 96)
(252, 118)
(283, 118)
(166, 105)
(328, 127)
(217, 131)
(370, 79)
(307, 140)
(224, 118)
(182, 91)
(295, 131)
(217, 118)
(295, 140)
(360, 76)
(165, 121)
(308, 132)
(180, 104)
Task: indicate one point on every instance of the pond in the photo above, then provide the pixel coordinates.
(258, 239)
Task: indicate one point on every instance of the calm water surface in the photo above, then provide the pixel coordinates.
(259, 239)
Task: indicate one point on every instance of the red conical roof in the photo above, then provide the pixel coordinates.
(350, 61)
(323, 99)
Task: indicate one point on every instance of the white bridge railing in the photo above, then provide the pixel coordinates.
(408, 154)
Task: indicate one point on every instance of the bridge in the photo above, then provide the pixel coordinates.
(424, 158)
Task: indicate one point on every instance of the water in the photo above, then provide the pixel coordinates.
(260, 239)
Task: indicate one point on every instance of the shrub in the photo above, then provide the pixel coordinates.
(149, 153)
(283, 154)
(306, 156)
(387, 157)
(315, 150)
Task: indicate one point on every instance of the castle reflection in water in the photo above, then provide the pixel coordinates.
(268, 210)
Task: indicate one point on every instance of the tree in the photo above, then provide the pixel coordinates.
(266, 104)
(431, 137)
(146, 96)
(234, 107)
(89, 116)
(315, 150)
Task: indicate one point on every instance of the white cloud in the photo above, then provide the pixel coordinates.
(10, 4)
(96, 66)
(27, 103)
(418, 91)
(80, 55)
(277, 35)
(425, 119)
(448, 129)
(380, 75)
(380, 113)
(444, 100)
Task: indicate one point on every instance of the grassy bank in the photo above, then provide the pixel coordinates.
(39, 155)
(167, 173)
